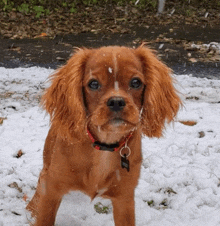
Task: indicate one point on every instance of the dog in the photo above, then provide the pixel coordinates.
(100, 104)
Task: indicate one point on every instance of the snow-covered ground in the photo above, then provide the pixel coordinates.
(180, 175)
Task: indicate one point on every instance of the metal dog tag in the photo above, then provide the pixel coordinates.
(125, 162)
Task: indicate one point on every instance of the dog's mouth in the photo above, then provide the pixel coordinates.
(112, 130)
(117, 121)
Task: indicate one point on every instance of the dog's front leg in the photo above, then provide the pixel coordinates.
(123, 210)
(45, 202)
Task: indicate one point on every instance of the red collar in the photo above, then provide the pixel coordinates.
(109, 147)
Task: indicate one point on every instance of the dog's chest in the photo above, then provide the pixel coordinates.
(103, 173)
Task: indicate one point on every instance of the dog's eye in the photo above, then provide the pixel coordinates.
(135, 83)
(94, 84)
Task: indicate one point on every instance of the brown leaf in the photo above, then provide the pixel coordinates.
(25, 197)
(15, 185)
(188, 123)
(192, 98)
(19, 154)
(2, 119)
(193, 60)
(15, 48)
(201, 134)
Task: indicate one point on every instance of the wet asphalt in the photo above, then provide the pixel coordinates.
(166, 40)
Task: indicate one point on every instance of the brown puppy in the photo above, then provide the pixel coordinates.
(100, 103)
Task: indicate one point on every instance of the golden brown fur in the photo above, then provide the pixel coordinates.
(119, 105)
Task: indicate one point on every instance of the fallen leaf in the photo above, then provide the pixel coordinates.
(15, 185)
(192, 98)
(201, 134)
(25, 197)
(188, 123)
(15, 213)
(19, 154)
(2, 119)
(15, 48)
(193, 60)
(43, 34)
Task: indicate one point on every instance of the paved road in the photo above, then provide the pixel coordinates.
(170, 42)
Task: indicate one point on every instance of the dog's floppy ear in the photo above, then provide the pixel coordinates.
(63, 100)
(161, 101)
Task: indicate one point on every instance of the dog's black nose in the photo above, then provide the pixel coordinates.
(116, 103)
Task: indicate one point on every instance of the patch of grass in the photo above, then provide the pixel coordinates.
(24, 8)
(44, 5)
(100, 208)
(151, 203)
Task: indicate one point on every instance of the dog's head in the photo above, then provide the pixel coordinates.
(112, 91)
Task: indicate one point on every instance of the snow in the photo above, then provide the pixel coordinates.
(110, 70)
(212, 46)
(180, 174)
